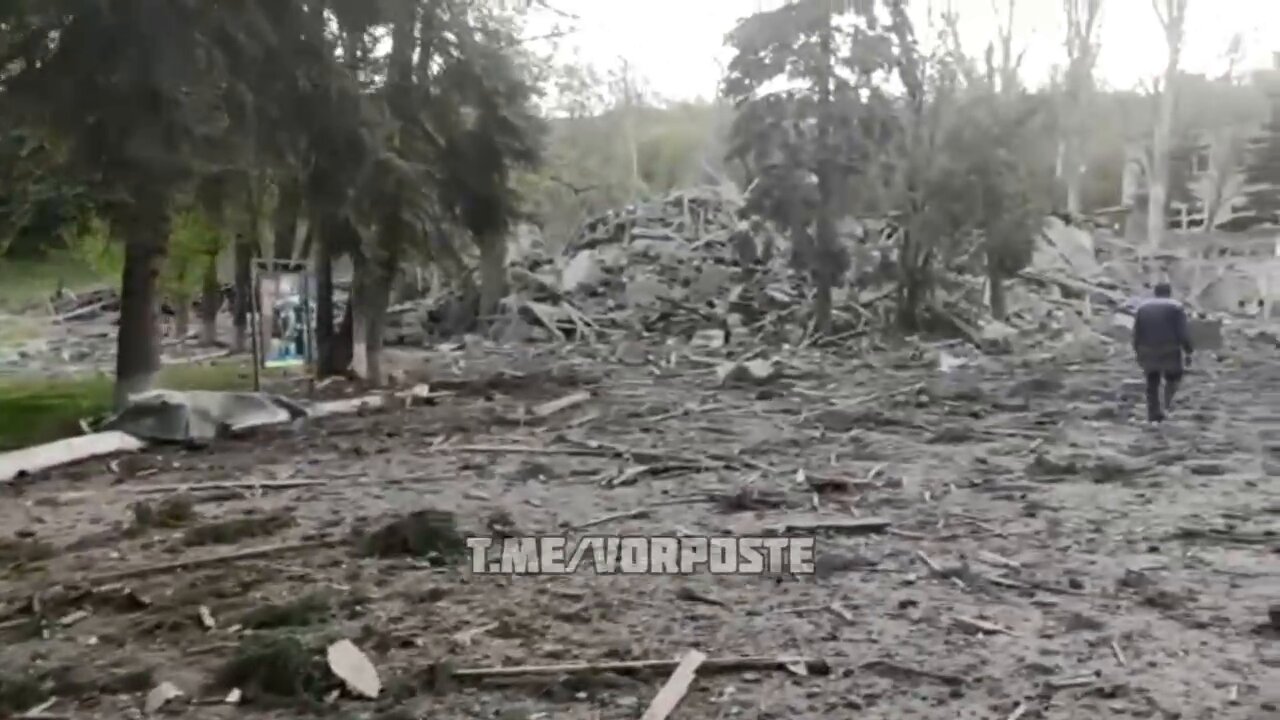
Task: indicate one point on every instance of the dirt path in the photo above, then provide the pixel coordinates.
(1125, 571)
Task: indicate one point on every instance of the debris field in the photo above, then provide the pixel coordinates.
(997, 537)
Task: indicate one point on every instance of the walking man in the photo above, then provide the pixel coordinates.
(1162, 344)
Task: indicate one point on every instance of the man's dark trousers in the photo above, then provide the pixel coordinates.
(1157, 406)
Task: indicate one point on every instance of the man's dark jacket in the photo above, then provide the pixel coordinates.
(1160, 335)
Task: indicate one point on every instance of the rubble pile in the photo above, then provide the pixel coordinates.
(687, 265)
(683, 264)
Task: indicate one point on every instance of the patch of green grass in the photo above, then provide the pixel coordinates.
(16, 329)
(301, 612)
(281, 666)
(43, 410)
(19, 693)
(431, 534)
(24, 283)
(225, 532)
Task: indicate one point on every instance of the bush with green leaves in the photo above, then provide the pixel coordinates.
(91, 243)
(194, 242)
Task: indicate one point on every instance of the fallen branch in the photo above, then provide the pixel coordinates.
(608, 452)
(882, 395)
(645, 511)
(983, 627)
(814, 666)
(247, 485)
(626, 515)
(857, 525)
(552, 407)
(194, 563)
(83, 311)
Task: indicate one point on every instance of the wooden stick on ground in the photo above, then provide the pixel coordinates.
(552, 407)
(201, 562)
(645, 511)
(857, 525)
(248, 485)
(814, 666)
(675, 688)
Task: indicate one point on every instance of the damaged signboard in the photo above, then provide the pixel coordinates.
(285, 321)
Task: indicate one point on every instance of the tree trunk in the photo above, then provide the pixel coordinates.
(378, 297)
(307, 248)
(999, 299)
(243, 259)
(1158, 197)
(285, 227)
(915, 275)
(138, 340)
(343, 352)
(493, 276)
(358, 307)
(210, 302)
(827, 269)
(1071, 173)
(181, 318)
(1158, 183)
(1074, 206)
(325, 347)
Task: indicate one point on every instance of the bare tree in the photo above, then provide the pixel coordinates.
(1173, 16)
(1004, 74)
(628, 101)
(1083, 20)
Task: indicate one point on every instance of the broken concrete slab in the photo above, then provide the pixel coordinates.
(200, 415)
(62, 452)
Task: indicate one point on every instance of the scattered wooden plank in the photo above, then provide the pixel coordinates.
(856, 526)
(975, 625)
(348, 406)
(64, 452)
(675, 688)
(202, 562)
(246, 485)
(995, 560)
(83, 311)
(815, 666)
(625, 515)
(552, 407)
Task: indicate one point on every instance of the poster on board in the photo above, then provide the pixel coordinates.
(285, 329)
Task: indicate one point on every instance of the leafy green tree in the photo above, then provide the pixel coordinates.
(145, 97)
(989, 178)
(832, 58)
(193, 242)
(89, 242)
(492, 131)
(37, 200)
(958, 170)
(133, 90)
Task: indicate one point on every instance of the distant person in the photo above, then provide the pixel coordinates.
(1162, 344)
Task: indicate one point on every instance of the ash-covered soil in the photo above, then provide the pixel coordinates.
(1048, 555)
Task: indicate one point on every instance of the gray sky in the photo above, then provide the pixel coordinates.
(676, 44)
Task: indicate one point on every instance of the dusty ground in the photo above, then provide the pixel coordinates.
(1124, 571)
